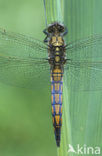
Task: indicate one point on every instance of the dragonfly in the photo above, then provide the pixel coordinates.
(29, 63)
(25, 61)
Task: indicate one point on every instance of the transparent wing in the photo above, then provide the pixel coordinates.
(14, 44)
(23, 61)
(85, 64)
(84, 75)
(90, 41)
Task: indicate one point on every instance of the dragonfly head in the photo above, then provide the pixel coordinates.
(56, 28)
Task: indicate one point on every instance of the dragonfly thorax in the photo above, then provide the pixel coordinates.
(56, 44)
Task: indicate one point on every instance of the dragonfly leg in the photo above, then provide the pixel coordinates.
(46, 33)
(65, 32)
(46, 39)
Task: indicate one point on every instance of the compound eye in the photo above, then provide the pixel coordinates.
(60, 29)
(50, 30)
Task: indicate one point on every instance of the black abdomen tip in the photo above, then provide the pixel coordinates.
(57, 136)
(58, 143)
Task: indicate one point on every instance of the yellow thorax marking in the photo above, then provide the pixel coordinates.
(57, 49)
(57, 58)
(57, 53)
(57, 41)
(53, 39)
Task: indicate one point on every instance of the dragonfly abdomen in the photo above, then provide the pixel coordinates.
(56, 100)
